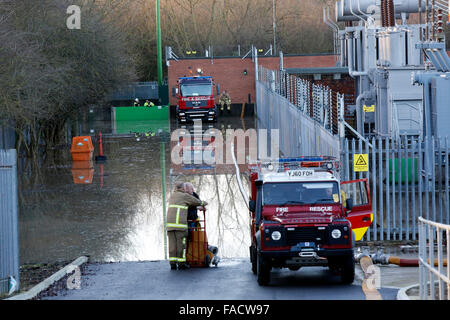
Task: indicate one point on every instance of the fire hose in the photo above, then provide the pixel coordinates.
(401, 262)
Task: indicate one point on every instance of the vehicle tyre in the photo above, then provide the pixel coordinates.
(348, 270)
(263, 270)
(333, 265)
(294, 268)
(253, 259)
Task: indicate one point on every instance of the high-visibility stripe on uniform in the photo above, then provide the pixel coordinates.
(175, 259)
(178, 211)
(177, 225)
(177, 206)
(183, 258)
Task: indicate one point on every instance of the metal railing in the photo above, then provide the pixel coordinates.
(434, 251)
(140, 90)
(408, 177)
(9, 246)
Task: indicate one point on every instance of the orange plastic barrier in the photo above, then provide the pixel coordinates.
(82, 176)
(89, 164)
(82, 148)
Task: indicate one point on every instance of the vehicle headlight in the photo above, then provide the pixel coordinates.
(276, 235)
(211, 112)
(181, 113)
(336, 233)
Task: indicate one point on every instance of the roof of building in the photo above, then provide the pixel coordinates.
(329, 70)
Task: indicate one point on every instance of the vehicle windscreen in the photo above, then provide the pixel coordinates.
(195, 90)
(300, 193)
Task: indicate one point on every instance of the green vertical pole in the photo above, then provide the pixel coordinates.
(163, 188)
(158, 44)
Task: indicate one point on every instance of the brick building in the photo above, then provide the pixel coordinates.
(237, 75)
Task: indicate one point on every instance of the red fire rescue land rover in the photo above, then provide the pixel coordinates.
(303, 215)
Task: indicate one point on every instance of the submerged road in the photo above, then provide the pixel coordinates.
(231, 280)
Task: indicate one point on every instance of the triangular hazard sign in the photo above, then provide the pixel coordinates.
(361, 161)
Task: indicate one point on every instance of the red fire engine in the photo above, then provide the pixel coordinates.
(196, 99)
(303, 215)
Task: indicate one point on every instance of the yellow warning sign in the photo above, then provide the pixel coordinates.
(361, 162)
(369, 108)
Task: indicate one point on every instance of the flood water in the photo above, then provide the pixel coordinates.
(114, 211)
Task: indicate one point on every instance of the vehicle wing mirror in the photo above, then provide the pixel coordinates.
(349, 204)
(174, 91)
(258, 206)
(252, 205)
(218, 89)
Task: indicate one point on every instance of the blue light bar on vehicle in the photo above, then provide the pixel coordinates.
(308, 158)
(312, 162)
(196, 78)
(302, 159)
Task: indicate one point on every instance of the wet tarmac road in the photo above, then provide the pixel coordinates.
(231, 280)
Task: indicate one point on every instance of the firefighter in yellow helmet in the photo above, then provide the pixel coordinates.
(177, 226)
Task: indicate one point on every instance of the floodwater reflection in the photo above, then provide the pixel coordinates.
(119, 215)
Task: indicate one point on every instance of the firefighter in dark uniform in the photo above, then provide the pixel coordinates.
(192, 216)
(177, 227)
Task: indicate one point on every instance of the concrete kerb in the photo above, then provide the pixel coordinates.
(44, 285)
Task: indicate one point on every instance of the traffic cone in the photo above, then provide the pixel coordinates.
(100, 157)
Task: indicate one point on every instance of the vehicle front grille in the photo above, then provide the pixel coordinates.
(199, 103)
(304, 234)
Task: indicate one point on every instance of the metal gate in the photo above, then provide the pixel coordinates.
(409, 178)
(9, 244)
